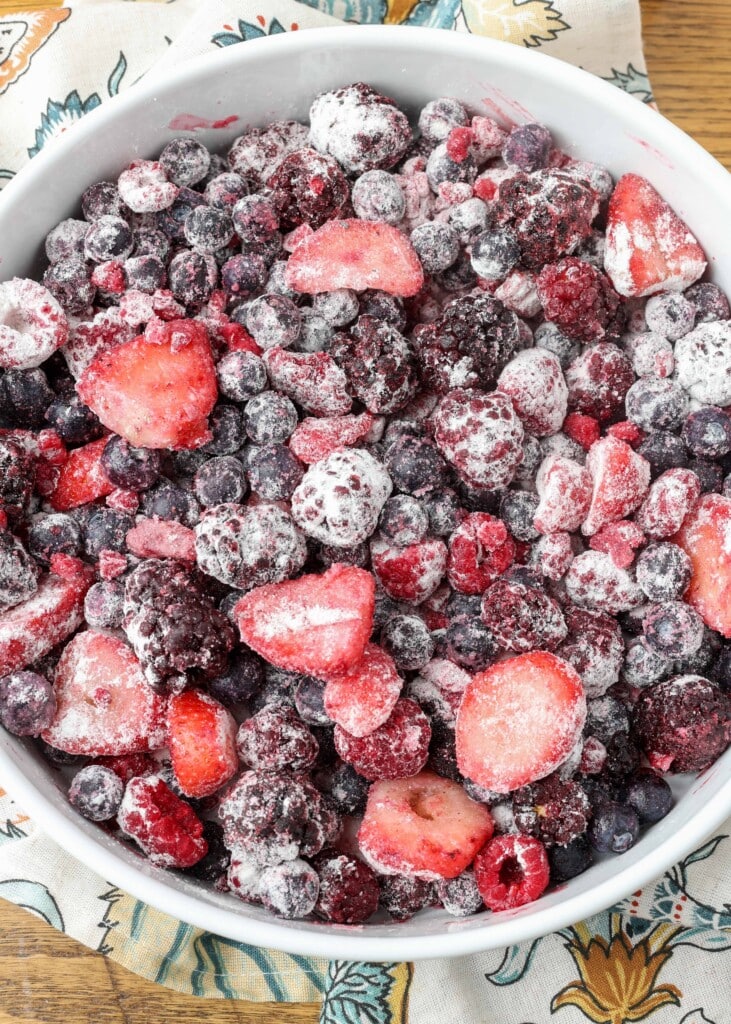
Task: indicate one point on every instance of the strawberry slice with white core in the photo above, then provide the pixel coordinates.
(32, 324)
(362, 698)
(317, 437)
(105, 706)
(649, 248)
(425, 826)
(29, 630)
(318, 625)
(155, 395)
(621, 479)
(519, 720)
(202, 742)
(705, 536)
(357, 254)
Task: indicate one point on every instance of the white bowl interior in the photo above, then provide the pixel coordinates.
(275, 78)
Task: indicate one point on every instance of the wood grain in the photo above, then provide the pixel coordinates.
(47, 978)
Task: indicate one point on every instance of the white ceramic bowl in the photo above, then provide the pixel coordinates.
(278, 77)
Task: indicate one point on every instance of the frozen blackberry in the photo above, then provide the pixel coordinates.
(378, 363)
(269, 418)
(75, 423)
(108, 238)
(359, 127)
(656, 403)
(220, 480)
(27, 703)
(528, 147)
(214, 865)
(468, 345)
(273, 321)
(568, 861)
(683, 723)
(289, 890)
(18, 572)
(104, 605)
(382, 306)
(459, 896)
(663, 571)
(521, 617)
(707, 433)
(308, 694)
(274, 472)
(710, 302)
(649, 795)
(438, 117)
(494, 254)
(166, 500)
(469, 643)
(402, 896)
(663, 450)
(673, 629)
(276, 738)
(349, 890)
(96, 792)
(441, 168)
(208, 229)
(444, 511)
(671, 315)
(225, 190)
(17, 473)
(107, 530)
(134, 469)
(192, 277)
(172, 626)
(53, 535)
(69, 281)
(408, 641)
(185, 161)
(241, 376)
(436, 244)
(415, 465)
(614, 828)
(552, 810)
(227, 426)
(66, 240)
(247, 546)
(517, 511)
(24, 398)
(403, 520)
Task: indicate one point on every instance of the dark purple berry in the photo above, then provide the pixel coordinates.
(710, 302)
(75, 423)
(242, 679)
(656, 403)
(244, 275)
(289, 890)
(224, 191)
(255, 219)
(349, 890)
(107, 530)
(66, 240)
(214, 865)
(403, 520)
(69, 281)
(103, 605)
(707, 433)
(402, 896)
(673, 629)
(24, 398)
(96, 792)
(436, 244)
(415, 466)
(382, 306)
(494, 254)
(444, 511)
(273, 321)
(663, 450)
(207, 229)
(276, 738)
(220, 480)
(134, 469)
(663, 571)
(470, 644)
(614, 828)
(408, 641)
(438, 117)
(649, 795)
(347, 789)
(270, 418)
(308, 696)
(168, 501)
(172, 220)
(54, 534)
(440, 168)
(528, 147)
(27, 703)
(108, 238)
(145, 273)
(185, 161)
(227, 426)
(274, 472)
(192, 277)
(241, 376)
(151, 242)
(377, 195)
(568, 861)
(459, 896)
(103, 200)
(517, 511)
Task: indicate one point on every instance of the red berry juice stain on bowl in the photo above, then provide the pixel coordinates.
(193, 122)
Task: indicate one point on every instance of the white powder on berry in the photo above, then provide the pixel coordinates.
(32, 324)
(703, 362)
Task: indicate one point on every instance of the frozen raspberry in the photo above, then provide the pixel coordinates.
(341, 497)
(668, 502)
(32, 324)
(163, 825)
(274, 739)
(598, 381)
(481, 435)
(311, 379)
(276, 816)
(145, 187)
(521, 617)
(564, 489)
(349, 890)
(554, 811)
(595, 582)
(683, 723)
(245, 546)
(397, 749)
(402, 896)
(359, 127)
(620, 540)
(468, 345)
(307, 188)
(256, 155)
(511, 871)
(378, 363)
(579, 299)
(621, 479)
(410, 573)
(582, 430)
(534, 381)
(480, 550)
(549, 211)
(289, 890)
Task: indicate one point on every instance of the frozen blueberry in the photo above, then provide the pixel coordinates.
(673, 629)
(470, 644)
(408, 641)
(656, 403)
(75, 423)
(517, 511)
(649, 795)
(643, 665)
(107, 530)
(290, 889)
(403, 520)
(168, 501)
(241, 681)
(671, 315)
(570, 860)
(208, 229)
(227, 426)
(241, 375)
(440, 116)
(192, 277)
(469, 219)
(710, 475)
(244, 275)
(274, 472)
(185, 161)
(415, 465)
(24, 398)
(308, 694)
(347, 789)
(709, 301)
(663, 571)
(255, 219)
(52, 535)
(109, 238)
(151, 242)
(663, 450)
(224, 191)
(444, 511)
(494, 254)
(27, 703)
(459, 896)
(214, 865)
(145, 273)
(707, 433)
(104, 605)
(96, 792)
(441, 168)
(357, 555)
(377, 195)
(528, 147)
(66, 240)
(436, 244)
(269, 418)
(220, 480)
(459, 276)
(273, 321)
(134, 469)
(69, 281)
(172, 220)
(614, 828)
(102, 199)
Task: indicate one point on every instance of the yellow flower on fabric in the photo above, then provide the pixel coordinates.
(398, 11)
(617, 983)
(526, 22)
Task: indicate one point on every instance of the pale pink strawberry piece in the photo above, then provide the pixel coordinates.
(412, 573)
(552, 554)
(123, 500)
(111, 564)
(311, 379)
(705, 536)
(446, 676)
(648, 247)
(105, 705)
(317, 624)
(29, 630)
(155, 395)
(564, 488)
(669, 501)
(362, 698)
(315, 438)
(519, 720)
(620, 540)
(357, 254)
(161, 538)
(202, 740)
(480, 550)
(621, 479)
(32, 324)
(535, 382)
(426, 827)
(82, 479)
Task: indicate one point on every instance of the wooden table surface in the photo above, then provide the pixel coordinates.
(46, 976)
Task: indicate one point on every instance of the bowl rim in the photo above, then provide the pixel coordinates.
(330, 942)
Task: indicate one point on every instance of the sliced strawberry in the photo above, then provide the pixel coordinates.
(621, 479)
(356, 254)
(237, 338)
(311, 379)
(315, 624)
(510, 871)
(619, 540)
(649, 248)
(164, 826)
(362, 698)
(82, 479)
(564, 489)
(202, 743)
(519, 720)
(129, 766)
(161, 538)
(412, 573)
(425, 826)
(105, 706)
(669, 501)
(29, 630)
(316, 438)
(704, 536)
(155, 394)
(480, 549)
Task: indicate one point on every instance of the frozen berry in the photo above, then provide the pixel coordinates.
(510, 871)
(104, 605)
(408, 641)
(307, 188)
(598, 381)
(671, 315)
(535, 382)
(415, 465)
(460, 896)
(207, 229)
(614, 828)
(654, 403)
(275, 738)
(527, 147)
(27, 703)
(594, 646)
(436, 244)
(67, 238)
(164, 826)
(269, 418)
(438, 117)
(649, 795)
(521, 617)
(289, 890)
(673, 629)
(96, 792)
(378, 363)
(240, 681)
(349, 890)
(135, 469)
(480, 435)
(403, 520)
(243, 275)
(552, 810)
(24, 396)
(108, 238)
(359, 127)
(54, 534)
(241, 375)
(219, 481)
(397, 749)
(246, 546)
(568, 861)
(18, 572)
(106, 530)
(69, 281)
(193, 276)
(185, 161)
(166, 500)
(707, 433)
(225, 190)
(663, 571)
(710, 302)
(683, 723)
(273, 320)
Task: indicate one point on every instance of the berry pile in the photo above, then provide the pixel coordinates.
(358, 475)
